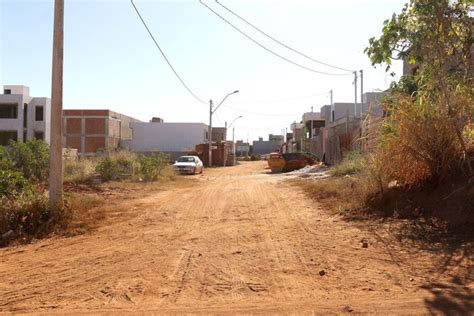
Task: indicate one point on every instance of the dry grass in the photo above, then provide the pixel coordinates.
(339, 194)
(87, 212)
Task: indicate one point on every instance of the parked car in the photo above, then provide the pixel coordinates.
(188, 164)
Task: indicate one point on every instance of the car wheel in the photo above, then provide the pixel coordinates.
(202, 169)
(194, 171)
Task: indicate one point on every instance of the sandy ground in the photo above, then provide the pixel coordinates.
(235, 240)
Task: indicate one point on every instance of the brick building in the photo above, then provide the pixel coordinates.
(91, 130)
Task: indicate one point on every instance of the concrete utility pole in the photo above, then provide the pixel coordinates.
(332, 107)
(211, 111)
(355, 95)
(225, 142)
(311, 134)
(361, 92)
(209, 137)
(56, 150)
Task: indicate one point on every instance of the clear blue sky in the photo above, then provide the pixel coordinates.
(110, 61)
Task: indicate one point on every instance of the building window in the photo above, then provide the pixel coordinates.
(8, 111)
(25, 136)
(7, 136)
(39, 135)
(7, 91)
(39, 113)
(25, 115)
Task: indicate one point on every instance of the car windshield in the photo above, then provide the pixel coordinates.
(186, 159)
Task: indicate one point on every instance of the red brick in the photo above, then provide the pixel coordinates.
(73, 142)
(93, 144)
(73, 126)
(95, 112)
(95, 125)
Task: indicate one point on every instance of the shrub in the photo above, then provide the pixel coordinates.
(5, 162)
(28, 215)
(31, 158)
(12, 183)
(79, 171)
(117, 165)
(352, 163)
(152, 166)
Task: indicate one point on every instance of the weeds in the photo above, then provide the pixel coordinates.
(80, 171)
(352, 163)
(30, 158)
(28, 216)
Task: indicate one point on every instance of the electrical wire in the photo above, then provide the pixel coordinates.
(268, 115)
(267, 49)
(164, 56)
(285, 100)
(279, 42)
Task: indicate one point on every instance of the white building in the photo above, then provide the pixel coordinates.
(167, 137)
(23, 117)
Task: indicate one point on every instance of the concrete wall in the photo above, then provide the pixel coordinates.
(263, 147)
(92, 130)
(167, 137)
(218, 134)
(20, 95)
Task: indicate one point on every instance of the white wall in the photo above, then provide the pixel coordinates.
(13, 124)
(168, 137)
(20, 95)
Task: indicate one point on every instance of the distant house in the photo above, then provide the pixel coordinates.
(23, 117)
(90, 131)
(172, 138)
(263, 147)
(241, 148)
(219, 134)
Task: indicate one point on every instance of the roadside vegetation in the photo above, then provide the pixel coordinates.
(24, 170)
(423, 165)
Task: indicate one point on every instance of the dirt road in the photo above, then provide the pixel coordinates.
(234, 240)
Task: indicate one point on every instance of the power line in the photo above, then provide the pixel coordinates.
(164, 56)
(269, 50)
(285, 100)
(279, 42)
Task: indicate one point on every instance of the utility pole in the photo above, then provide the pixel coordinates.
(56, 154)
(209, 138)
(355, 95)
(361, 92)
(332, 107)
(311, 134)
(211, 111)
(225, 143)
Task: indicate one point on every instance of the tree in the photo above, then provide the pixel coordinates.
(432, 107)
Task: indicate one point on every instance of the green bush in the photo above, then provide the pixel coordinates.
(117, 165)
(152, 166)
(352, 163)
(28, 215)
(31, 158)
(5, 162)
(12, 183)
(79, 171)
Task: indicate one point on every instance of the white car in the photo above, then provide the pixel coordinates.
(188, 164)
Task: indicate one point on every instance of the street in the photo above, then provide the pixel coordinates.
(236, 239)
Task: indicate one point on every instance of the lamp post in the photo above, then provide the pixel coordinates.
(225, 136)
(211, 111)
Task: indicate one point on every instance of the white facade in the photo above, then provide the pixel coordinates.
(167, 137)
(311, 116)
(23, 117)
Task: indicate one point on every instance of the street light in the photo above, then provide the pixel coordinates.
(211, 111)
(226, 127)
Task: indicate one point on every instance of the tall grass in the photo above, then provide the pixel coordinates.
(352, 163)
